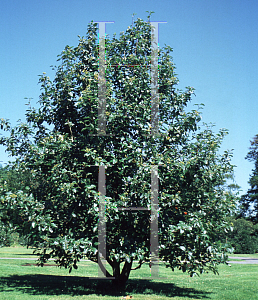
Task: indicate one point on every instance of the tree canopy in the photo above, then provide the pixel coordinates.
(249, 201)
(60, 147)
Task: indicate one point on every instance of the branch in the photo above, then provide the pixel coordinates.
(127, 268)
(141, 262)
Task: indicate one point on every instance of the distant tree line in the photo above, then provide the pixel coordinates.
(244, 237)
(11, 181)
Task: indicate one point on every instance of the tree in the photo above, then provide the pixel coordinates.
(244, 237)
(11, 182)
(249, 201)
(60, 147)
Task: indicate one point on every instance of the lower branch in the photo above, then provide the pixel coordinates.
(141, 262)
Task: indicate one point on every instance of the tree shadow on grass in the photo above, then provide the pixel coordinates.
(76, 285)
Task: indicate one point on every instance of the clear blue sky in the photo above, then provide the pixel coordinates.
(215, 46)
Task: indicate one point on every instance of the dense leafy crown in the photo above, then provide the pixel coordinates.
(59, 148)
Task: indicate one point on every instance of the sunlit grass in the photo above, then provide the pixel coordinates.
(21, 281)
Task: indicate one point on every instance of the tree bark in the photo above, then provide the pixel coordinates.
(120, 279)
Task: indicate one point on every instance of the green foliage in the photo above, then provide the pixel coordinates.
(59, 148)
(12, 225)
(13, 180)
(244, 237)
(249, 201)
(7, 236)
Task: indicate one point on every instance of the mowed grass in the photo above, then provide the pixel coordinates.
(19, 280)
(245, 255)
(17, 252)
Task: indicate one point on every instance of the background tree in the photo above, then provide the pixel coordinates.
(244, 237)
(60, 148)
(7, 230)
(249, 201)
(11, 229)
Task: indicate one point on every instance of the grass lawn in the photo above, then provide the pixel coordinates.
(17, 251)
(20, 279)
(242, 255)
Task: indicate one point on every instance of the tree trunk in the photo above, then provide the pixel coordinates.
(120, 279)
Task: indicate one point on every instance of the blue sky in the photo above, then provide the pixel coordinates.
(215, 45)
